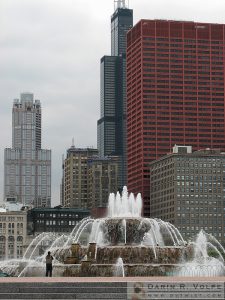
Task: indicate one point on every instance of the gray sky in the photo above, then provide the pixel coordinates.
(52, 48)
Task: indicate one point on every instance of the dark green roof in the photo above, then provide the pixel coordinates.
(60, 209)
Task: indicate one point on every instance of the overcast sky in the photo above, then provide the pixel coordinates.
(52, 48)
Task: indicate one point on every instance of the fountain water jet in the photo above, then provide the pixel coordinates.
(119, 268)
(202, 264)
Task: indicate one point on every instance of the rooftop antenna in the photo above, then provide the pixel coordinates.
(73, 146)
(120, 4)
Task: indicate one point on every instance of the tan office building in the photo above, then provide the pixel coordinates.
(102, 180)
(75, 177)
(13, 234)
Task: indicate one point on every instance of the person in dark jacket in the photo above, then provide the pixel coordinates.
(49, 260)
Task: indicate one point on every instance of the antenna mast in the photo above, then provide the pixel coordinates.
(73, 146)
(120, 4)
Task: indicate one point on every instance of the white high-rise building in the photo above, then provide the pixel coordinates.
(27, 167)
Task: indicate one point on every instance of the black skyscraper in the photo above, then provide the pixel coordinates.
(112, 122)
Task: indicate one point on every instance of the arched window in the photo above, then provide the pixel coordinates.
(11, 239)
(20, 239)
(2, 239)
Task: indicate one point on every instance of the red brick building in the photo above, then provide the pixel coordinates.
(175, 93)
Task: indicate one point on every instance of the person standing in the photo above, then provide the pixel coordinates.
(49, 258)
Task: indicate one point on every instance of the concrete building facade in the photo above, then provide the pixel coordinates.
(75, 177)
(188, 190)
(27, 167)
(13, 234)
(102, 180)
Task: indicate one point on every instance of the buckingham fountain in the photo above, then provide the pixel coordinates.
(121, 244)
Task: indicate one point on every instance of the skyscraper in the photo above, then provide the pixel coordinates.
(102, 180)
(75, 177)
(112, 122)
(175, 93)
(27, 167)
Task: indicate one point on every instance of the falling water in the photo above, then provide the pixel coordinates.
(81, 229)
(96, 250)
(202, 264)
(119, 268)
(75, 230)
(125, 230)
(48, 237)
(215, 242)
(36, 239)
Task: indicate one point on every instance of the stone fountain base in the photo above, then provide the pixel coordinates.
(93, 261)
(88, 269)
(109, 270)
(142, 255)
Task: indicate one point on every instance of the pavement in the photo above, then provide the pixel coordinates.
(113, 288)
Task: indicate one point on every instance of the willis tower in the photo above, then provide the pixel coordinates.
(112, 122)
